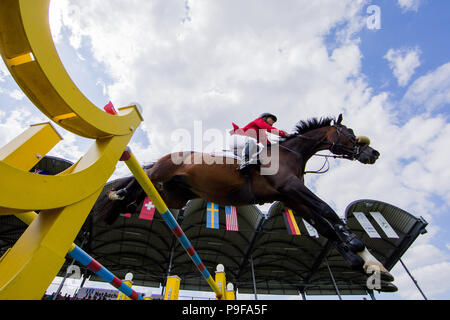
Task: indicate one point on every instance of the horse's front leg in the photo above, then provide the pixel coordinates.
(322, 213)
(328, 223)
(325, 229)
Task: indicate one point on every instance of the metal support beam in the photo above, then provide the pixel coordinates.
(328, 246)
(253, 276)
(332, 279)
(250, 247)
(169, 269)
(302, 292)
(61, 285)
(371, 294)
(414, 280)
(85, 276)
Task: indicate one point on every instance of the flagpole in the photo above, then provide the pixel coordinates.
(414, 280)
(61, 285)
(253, 276)
(332, 279)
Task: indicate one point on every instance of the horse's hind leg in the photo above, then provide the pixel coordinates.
(163, 170)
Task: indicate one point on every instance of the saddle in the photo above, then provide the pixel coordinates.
(227, 154)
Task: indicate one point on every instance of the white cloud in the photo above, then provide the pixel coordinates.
(410, 186)
(430, 92)
(424, 254)
(409, 5)
(428, 265)
(211, 62)
(57, 8)
(3, 71)
(15, 123)
(221, 64)
(224, 65)
(433, 279)
(16, 94)
(403, 63)
(71, 147)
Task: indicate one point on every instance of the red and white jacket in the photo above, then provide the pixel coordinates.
(254, 130)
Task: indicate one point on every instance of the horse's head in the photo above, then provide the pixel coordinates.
(344, 142)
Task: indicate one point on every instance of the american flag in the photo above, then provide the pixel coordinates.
(231, 218)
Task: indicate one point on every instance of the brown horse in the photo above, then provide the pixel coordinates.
(198, 175)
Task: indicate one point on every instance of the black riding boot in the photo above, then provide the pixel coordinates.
(349, 238)
(245, 165)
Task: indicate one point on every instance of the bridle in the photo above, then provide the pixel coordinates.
(350, 153)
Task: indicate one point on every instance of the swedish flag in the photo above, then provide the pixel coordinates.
(212, 215)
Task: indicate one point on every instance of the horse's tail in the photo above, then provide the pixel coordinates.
(127, 193)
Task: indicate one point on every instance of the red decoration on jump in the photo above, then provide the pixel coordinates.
(109, 108)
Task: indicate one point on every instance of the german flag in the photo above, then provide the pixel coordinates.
(291, 224)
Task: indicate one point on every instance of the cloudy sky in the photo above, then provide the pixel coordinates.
(384, 64)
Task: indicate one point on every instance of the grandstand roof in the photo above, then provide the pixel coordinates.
(282, 263)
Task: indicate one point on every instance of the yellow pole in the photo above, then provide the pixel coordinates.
(230, 295)
(221, 280)
(172, 288)
(160, 205)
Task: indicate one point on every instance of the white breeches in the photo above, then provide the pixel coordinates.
(239, 142)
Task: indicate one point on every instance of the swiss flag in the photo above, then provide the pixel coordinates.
(148, 210)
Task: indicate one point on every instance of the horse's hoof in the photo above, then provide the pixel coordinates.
(112, 195)
(122, 193)
(386, 276)
(383, 273)
(386, 287)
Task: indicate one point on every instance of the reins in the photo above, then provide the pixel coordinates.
(320, 155)
(320, 170)
(317, 155)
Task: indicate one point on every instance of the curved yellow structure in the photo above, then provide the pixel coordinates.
(65, 200)
(30, 54)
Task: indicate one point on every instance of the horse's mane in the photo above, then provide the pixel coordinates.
(304, 126)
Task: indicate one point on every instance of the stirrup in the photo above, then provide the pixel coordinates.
(247, 165)
(245, 168)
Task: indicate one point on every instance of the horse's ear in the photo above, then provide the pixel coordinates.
(339, 120)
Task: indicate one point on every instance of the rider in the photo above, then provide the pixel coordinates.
(253, 134)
